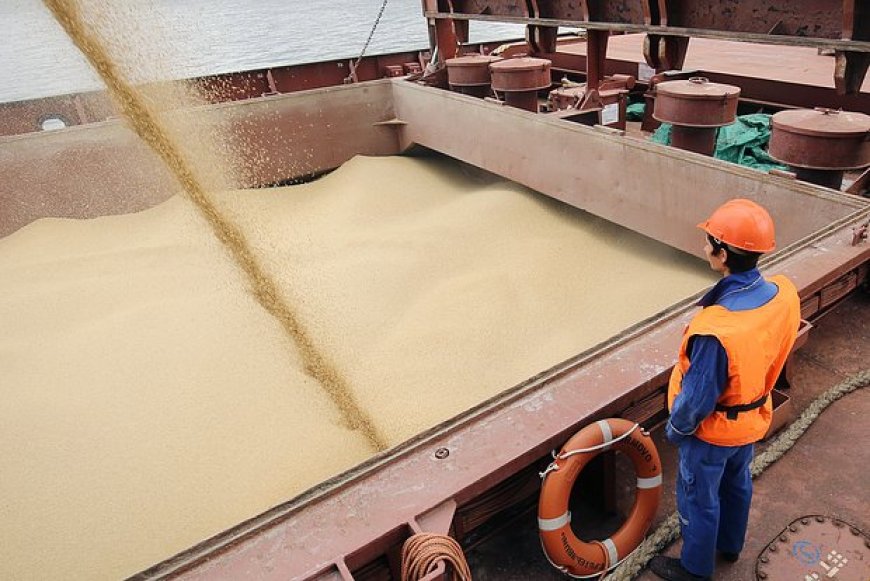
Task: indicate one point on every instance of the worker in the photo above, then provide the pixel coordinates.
(731, 355)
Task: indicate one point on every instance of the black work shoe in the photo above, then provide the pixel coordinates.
(671, 569)
(730, 557)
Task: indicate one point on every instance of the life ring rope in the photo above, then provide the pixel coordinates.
(609, 441)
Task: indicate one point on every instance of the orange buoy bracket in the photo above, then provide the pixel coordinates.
(561, 546)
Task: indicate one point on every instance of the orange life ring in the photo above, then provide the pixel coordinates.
(561, 546)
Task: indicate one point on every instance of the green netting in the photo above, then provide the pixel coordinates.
(743, 142)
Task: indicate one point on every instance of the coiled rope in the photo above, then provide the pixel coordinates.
(422, 552)
(669, 531)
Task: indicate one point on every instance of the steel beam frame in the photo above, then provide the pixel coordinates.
(840, 25)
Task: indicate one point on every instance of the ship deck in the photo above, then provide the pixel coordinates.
(788, 64)
(794, 75)
(821, 475)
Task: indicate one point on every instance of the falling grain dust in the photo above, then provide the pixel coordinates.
(149, 127)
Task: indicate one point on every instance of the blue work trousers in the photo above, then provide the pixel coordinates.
(714, 490)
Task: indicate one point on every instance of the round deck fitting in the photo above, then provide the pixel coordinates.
(821, 139)
(520, 80)
(696, 103)
(470, 70)
(816, 548)
(520, 74)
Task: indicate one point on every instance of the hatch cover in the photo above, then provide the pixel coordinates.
(816, 548)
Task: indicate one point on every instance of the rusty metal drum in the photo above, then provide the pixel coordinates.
(823, 139)
(696, 102)
(520, 74)
(470, 70)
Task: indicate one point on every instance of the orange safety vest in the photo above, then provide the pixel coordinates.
(757, 342)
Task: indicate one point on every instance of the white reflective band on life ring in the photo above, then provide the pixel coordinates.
(612, 553)
(606, 432)
(554, 524)
(649, 482)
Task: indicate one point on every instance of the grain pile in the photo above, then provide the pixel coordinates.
(196, 167)
(170, 373)
(150, 401)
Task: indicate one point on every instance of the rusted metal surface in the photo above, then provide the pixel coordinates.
(821, 143)
(412, 68)
(786, 76)
(816, 547)
(861, 185)
(850, 70)
(95, 106)
(787, 377)
(835, 24)
(783, 413)
(832, 179)
(520, 74)
(103, 168)
(821, 139)
(470, 71)
(665, 53)
(393, 71)
(520, 79)
(590, 107)
(27, 116)
(596, 56)
(695, 107)
(796, 18)
(609, 100)
(799, 21)
(696, 102)
(696, 139)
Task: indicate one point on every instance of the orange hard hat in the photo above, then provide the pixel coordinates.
(742, 224)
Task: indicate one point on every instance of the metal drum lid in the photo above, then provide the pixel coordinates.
(697, 88)
(696, 103)
(521, 74)
(822, 122)
(821, 139)
(470, 70)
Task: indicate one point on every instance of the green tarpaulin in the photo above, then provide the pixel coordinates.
(743, 142)
(634, 112)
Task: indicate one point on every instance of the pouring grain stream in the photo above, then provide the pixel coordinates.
(148, 126)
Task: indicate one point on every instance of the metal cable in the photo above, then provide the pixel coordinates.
(350, 78)
(669, 531)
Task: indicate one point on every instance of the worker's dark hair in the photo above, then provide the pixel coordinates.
(738, 260)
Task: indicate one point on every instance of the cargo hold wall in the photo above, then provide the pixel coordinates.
(655, 190)
(105, 169)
